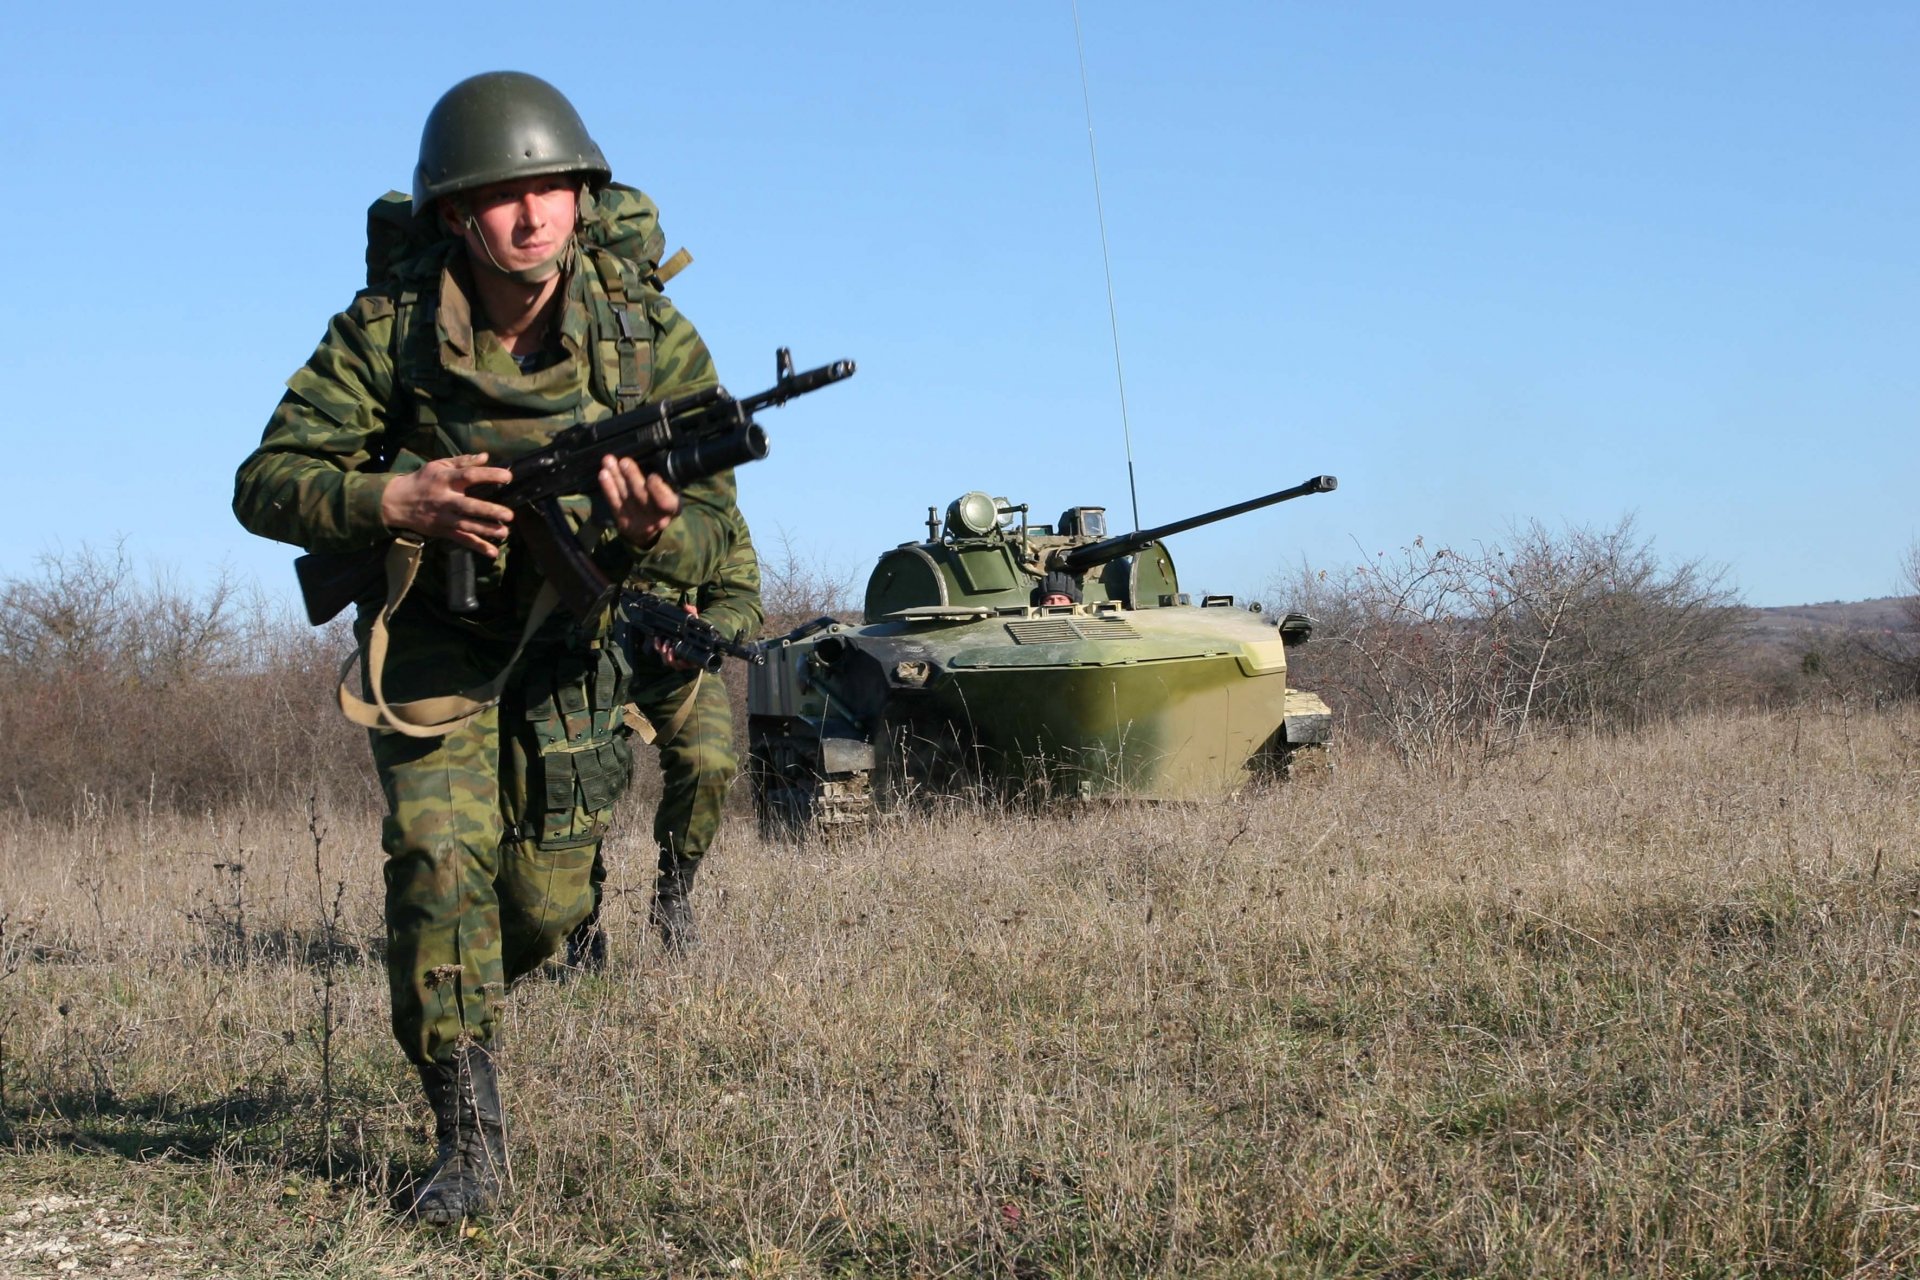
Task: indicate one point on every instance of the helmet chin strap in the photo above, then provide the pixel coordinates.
(540, 273)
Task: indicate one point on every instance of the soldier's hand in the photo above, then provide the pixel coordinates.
(663, 649)
(433, 501)
(643, 505)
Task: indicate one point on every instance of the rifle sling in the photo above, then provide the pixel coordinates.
(643, 728)
(426, 717)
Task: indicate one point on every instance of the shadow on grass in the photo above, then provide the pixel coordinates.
(226, 945)
(269, 1133)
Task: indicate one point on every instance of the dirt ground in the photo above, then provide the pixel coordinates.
(47, 1233)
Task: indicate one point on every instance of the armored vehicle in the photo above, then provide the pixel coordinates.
(1052, 661)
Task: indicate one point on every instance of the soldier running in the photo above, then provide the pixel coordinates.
(515, 305)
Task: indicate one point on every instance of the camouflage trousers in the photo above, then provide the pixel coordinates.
(697, 765)
(491, 830)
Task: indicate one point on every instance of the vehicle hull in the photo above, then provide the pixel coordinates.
(1170, 703)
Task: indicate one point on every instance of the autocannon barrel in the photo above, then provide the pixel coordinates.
(1080, 559)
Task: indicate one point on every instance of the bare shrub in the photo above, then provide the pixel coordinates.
(1910, 580)
(71, 616)
(1874, 660)
(1894, 656)
(796, 588)
(1858, 668)
(1637, 638)
(1903, 650)
(1432, 649)
(1395, 649)
(122, 688)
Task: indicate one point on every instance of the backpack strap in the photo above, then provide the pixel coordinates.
(401, 257)
(623, 322)
(420, 383)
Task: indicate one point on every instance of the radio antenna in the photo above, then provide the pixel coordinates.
(1106, 261)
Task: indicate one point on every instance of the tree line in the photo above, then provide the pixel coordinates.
(121, 688)
(1437, 650)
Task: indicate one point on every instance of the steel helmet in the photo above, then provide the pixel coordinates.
(500, 125)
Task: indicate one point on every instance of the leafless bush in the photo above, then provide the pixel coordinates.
(126, 688)
(1895, 655)
(1851, 670)
(797, 588)
(1910, 581)
(120, 688)
(1904, 651)
(1432, 648)
(1874, 661)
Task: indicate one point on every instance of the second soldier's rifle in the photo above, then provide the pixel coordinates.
(684, 439)
(688, 637)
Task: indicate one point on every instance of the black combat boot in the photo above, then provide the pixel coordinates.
(587, 944)
(587, 947)
(672, 912)
(465, 1098)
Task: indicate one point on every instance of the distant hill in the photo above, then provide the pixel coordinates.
(1798, 628)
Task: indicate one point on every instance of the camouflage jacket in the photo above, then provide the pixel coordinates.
(731, 601)
(408, 373)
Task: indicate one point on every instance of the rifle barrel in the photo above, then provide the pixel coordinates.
(799, 384)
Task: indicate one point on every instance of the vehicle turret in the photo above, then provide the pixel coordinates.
(980, 559)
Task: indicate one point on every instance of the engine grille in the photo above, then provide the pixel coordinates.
(1069, 630)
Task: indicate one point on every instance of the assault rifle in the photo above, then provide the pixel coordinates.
(684, 439)
(689, 638)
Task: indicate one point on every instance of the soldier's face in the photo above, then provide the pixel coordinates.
(519, 224)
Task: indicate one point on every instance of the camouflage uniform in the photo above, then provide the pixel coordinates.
(492, 828)
(698, 760)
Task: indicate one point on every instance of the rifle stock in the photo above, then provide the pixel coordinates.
(562, 560)
(332, 580)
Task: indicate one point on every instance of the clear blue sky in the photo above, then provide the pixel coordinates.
(1485, 262)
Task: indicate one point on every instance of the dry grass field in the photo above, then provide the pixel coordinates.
(1606, 1006)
